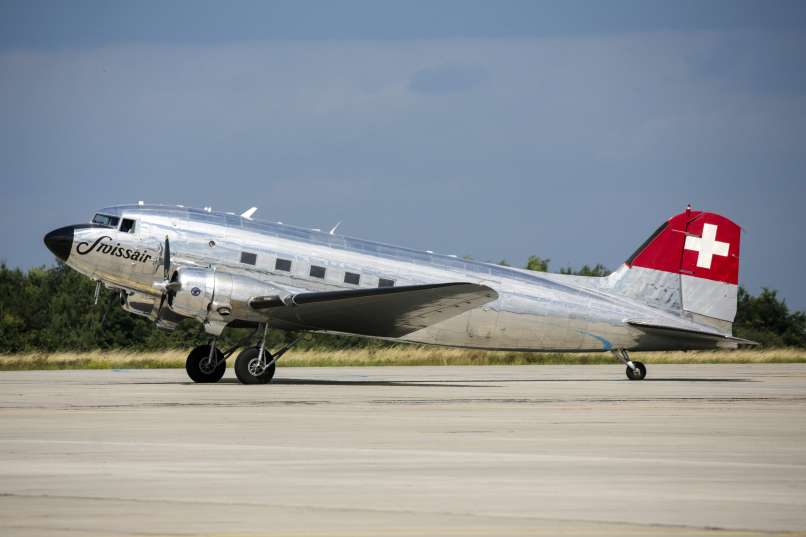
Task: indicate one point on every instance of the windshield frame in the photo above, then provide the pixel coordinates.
(106, 220)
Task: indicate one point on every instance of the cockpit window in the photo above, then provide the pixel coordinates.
(105, 220)
(127, 225)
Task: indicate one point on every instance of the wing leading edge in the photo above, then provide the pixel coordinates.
(383, 312)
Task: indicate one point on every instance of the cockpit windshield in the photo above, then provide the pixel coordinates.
(105, 220)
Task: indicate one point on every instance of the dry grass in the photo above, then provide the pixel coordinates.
(403, 355)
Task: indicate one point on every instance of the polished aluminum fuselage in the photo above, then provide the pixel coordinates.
(533, 311)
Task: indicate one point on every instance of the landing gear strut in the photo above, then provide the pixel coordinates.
(256, 365)
(635, 370)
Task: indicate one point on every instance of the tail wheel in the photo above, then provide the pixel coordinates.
(201, 369)
(249, 367)
(638, 373)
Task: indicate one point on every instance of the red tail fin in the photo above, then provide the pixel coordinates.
(690, 263)
(693, 243)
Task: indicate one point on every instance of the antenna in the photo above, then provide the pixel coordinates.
(249, 213)
(333, 230)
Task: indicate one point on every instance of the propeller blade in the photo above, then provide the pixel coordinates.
(166, 260)
(162, 302)
(166, 285)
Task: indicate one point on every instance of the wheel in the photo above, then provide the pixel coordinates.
(247, 366)
(199, 367)
(638, 373)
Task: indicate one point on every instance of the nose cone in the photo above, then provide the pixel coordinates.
(60, 241)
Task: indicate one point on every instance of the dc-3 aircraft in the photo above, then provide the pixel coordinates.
(677, 291)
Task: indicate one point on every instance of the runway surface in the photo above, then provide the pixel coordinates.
(543, 450)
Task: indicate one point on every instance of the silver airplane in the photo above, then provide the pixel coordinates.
(168, 263)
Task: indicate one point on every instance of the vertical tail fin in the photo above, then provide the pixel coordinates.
(691, 263)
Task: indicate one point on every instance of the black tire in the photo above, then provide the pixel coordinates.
(638, 373)
(199, 370)
(245, 367)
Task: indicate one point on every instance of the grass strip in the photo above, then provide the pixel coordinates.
(395, 356)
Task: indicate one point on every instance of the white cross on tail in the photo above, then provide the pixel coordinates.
(706, 246)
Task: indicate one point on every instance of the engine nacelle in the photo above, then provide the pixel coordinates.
(195, 293)
(217, 298)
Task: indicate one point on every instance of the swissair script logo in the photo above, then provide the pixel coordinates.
(706, 246)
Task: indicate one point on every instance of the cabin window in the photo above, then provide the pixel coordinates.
(317, 272)
(127, 225)
(248, 258)
(282, 264)
(105, 220)
(383, 282)
(352, 278)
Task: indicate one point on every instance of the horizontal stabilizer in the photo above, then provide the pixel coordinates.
(690, 334)
(381, 312)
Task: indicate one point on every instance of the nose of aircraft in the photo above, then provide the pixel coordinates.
(60, 241)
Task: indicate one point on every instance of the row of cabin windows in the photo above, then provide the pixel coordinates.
(247, 258)
(316, 271)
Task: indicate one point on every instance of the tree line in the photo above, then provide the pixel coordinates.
(51, 308)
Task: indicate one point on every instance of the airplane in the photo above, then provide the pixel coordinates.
(677, 291)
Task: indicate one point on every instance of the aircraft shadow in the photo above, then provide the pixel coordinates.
(699, 380)
(614, 380)
(487, 383)
(390, 383)
(465, 383)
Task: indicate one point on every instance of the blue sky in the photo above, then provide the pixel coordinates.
(493, 129)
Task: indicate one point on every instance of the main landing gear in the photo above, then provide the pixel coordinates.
(254, 365)
(635, 370)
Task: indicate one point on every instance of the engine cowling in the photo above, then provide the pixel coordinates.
(196, 292)
(216, 297)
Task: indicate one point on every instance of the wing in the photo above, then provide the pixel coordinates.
(688, 334)
(384, 312)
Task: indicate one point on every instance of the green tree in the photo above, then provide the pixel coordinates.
(766, 319)
(538, 264)
(596, 270)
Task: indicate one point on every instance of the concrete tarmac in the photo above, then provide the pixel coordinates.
(521, 450)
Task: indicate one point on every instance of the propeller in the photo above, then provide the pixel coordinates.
(168, 287)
